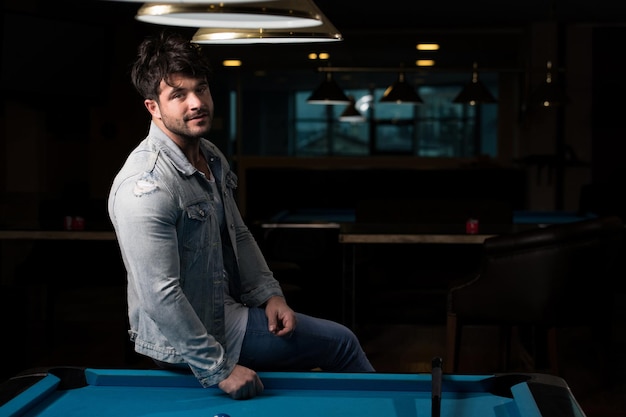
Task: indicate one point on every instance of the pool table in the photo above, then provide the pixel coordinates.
(114, 392)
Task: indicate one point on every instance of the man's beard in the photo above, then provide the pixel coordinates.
(179, 127)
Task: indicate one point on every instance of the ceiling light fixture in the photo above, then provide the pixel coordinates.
(351, 113)
(328, 92)
(275, 14)
(188, 1)
(425, 63)
(427, 46)
(475, 92)
(232, 63)
(401, 92)
(324, 33)
(549, 93)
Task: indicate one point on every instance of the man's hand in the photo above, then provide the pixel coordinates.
(280, 317)
(242, 383)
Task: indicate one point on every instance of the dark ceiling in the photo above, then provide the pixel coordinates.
(488, 31)
(384, 34)
(399, 15)
(468, 30)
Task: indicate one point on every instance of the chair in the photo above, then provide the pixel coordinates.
(541, 278)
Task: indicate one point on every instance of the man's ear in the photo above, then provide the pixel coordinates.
(153, 107)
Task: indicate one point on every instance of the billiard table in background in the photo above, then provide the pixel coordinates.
(401, 263)
(91, 392)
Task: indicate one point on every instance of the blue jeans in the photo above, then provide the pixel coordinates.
(315, 343)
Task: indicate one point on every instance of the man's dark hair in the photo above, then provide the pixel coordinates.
(163, 55)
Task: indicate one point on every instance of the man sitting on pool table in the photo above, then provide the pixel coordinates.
(200, 294)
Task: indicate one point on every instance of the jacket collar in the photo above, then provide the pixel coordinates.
(173, 152)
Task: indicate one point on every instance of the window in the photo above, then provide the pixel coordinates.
(436, 128)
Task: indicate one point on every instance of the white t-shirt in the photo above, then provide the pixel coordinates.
(235, 314)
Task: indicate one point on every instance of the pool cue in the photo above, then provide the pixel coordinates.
(436, 386)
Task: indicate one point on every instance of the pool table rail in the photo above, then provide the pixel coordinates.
(536, 395)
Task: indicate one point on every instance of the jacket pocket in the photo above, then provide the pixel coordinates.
(231, 180)
(197, 225)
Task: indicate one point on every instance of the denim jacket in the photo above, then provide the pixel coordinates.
(169, 235)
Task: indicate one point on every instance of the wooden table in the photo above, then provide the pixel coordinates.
(63, 281)
(354, 235)
(397, 233)
(56, 235)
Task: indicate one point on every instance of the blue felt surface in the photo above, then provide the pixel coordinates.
(153, 393)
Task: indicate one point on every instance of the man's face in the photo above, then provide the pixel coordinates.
(185, 107)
